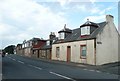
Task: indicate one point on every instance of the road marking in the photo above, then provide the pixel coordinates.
(14, 59)
(85, 69)
(98, 71)
(35, 67)
(91, 70)
(20, 62)
(81, 65)
(61, 76)
(9, 57)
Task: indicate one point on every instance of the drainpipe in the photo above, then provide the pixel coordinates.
(95, 51)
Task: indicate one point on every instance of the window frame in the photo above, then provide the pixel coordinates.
(58, 52)
(86, 30)
(61, 35)
(81, 54)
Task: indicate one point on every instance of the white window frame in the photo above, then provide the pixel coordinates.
(85, 30)
(61, 35)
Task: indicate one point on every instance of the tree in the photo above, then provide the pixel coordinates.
(10, 49)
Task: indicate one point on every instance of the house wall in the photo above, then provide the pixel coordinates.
(75, 51)
(107, 51)
(27, 51)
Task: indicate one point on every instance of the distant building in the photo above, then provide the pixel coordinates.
(30, 47)
(92, 43)
(19, 49)
(46, 50)
(37, 44)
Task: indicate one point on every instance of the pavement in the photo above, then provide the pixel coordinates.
(110, 68)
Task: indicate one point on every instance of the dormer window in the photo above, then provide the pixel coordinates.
(48, 43)
(85, 30)
(61, 35)
(64, 32)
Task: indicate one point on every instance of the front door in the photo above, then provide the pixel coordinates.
(68, 53)
(37, 53)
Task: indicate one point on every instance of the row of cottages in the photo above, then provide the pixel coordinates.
(36, 47)
(29, 48)
(92, 43)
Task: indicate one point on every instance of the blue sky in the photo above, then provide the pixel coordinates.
(24, 19)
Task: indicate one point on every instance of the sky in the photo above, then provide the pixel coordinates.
(24, 19)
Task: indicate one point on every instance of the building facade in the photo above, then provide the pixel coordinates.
(92, 43)
(46, 50)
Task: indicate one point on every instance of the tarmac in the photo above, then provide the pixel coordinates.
(111, 68)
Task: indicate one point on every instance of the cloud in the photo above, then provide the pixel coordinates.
(99, 18)
(62, 2)
(104, 11)
(24, 19)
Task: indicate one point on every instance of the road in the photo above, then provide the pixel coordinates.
(19, 67)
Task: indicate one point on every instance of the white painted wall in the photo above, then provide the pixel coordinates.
(75, 51)
(107, 52)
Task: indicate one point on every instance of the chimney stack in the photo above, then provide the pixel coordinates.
(52, 35)
(109, 18)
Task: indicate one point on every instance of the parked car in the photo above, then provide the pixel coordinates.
(3, 54)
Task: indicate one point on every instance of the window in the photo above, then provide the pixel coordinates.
(83, 51)
(85, 30)
(61, 35)
(57, 52)
(36, 43)
(48, 43)
(30, 43)
(43, 53)
(53, 41)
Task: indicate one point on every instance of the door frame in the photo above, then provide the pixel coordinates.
(68, 53)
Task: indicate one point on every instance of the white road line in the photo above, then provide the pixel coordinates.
(36, 67)
(98, 71)
(14, 59)
(20, 62)
(85, 69)
(91, 70)
(61, 76)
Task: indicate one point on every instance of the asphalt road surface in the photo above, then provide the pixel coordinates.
(18, 67)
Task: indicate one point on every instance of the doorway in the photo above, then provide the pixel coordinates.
(68, 53)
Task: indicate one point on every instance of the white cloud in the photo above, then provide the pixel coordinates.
(80, 7)
(92, 1)
(62, 2)
(96, 19)
(95, 10)
(104, 11)
(24, 19)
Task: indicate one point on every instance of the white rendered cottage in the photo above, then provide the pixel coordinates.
(92, 43)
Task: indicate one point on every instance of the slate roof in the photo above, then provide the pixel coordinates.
(89, 23)
(49, 46)
(76, 33)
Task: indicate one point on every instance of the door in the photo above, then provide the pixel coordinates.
(68, 53)
(38, 54)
